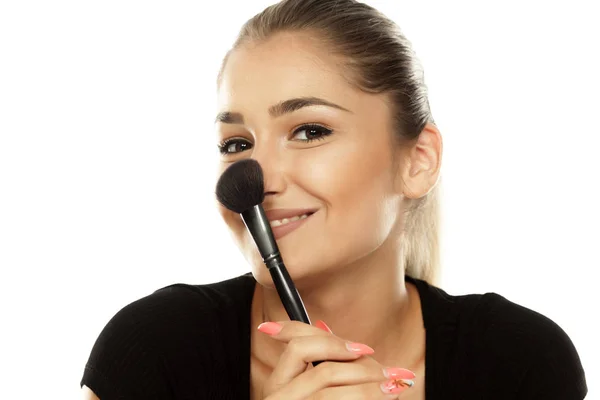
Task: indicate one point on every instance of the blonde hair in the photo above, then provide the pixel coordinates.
(377, 59)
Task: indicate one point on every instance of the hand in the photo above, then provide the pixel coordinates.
(347, 374)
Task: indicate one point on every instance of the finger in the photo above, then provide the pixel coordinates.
(306, 349)
(364, 383)
(286, 330)
(384, 390)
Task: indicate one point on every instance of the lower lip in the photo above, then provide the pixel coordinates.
(282, 230)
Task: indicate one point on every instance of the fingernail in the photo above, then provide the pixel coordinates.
(398, 373)
(322, 325)
(395, 386)
(270, 328)
(359, 348)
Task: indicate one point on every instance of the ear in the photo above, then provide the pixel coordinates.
(422, 163)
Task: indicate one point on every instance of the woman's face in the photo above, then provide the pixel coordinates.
(340, 166)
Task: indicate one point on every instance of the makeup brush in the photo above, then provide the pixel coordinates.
(241, 189)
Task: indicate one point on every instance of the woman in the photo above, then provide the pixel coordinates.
(328, 96)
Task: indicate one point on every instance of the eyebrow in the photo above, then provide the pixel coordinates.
(279, 109)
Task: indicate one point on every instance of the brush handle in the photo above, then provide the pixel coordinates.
(287, 291)
(258, 225)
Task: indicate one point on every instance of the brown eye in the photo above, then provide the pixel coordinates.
(312, 132)
(233, 146)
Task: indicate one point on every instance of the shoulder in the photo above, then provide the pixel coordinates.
(532, 349)
(491, 321)
(172, 303)
(163, 328)
(504, 323)
(176, 308)
(485, 341)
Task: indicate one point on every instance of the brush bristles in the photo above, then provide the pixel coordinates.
(241, 186)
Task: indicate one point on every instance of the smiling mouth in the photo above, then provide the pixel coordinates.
(284, 221)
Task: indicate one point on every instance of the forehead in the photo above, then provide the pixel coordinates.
(285, 66)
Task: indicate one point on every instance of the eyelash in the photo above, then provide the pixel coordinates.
(324, 131)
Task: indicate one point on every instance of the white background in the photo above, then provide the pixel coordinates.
(107, 157)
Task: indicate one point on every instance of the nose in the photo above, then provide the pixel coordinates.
(271, 162)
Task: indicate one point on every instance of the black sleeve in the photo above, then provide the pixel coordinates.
(125, 361)
(556, 373)
(537, 355)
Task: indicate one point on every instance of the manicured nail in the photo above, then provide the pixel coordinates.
(395, 386)
(359, 348)
(322, 325)
(270, 328)
(398, 373)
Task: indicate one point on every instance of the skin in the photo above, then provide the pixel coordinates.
(346, 259)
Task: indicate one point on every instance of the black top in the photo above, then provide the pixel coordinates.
(193, 342)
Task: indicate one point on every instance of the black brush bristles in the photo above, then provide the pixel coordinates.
(241, 186)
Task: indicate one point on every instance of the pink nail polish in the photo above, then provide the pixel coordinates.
(398, 373)
(322, 325)
(270, 328)
(393, 387)
(359, 348)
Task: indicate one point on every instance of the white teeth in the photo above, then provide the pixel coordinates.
(279, 222)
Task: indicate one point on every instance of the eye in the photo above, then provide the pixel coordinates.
(307, 133)
(233, 146)
(312, 132)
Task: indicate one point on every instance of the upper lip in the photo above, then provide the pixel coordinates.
(281, 213)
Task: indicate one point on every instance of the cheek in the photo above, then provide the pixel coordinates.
(357, 191)
(348, 176)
